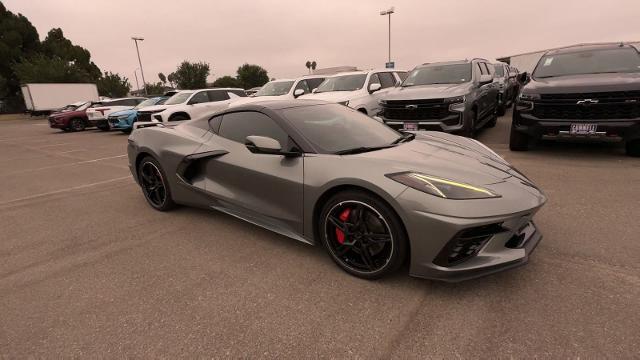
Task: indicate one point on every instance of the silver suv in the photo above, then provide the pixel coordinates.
(457, 96)
(505, 79)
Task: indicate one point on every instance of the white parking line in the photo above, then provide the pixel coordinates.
(52, 145)
(65, 165)
(70, 151)
(65, 190)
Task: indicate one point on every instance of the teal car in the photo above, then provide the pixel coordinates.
(123, 120)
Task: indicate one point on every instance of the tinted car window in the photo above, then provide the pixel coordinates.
(387, 80)
(237, 126)
(499, 70)
(621, 60)
(218, 95)
(303, 85)
(314, 83)
(402, 75)
(200, 97)
(238, 92)
(332, 127)
(374, 79)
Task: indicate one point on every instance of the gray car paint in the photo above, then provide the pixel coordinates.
(285, 194)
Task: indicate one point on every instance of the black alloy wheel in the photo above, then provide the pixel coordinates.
(77, 125)
(362, 235)
(154, 185)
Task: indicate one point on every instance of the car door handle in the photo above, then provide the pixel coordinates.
(184, 170)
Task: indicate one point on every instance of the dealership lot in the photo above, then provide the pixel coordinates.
(89, 269)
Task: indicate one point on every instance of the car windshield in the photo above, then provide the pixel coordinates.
(499, 70)
(333, 128)
(342, 83)
(622, 60)
(275, 88)
(178, 98)
(148, 102)
(439, 74)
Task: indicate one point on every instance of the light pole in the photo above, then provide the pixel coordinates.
(144, 83)
(390, 11)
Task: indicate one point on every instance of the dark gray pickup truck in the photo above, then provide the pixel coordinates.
(590, 93)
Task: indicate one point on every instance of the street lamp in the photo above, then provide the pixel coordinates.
(389, 11)
(144, 83)
(135, 73)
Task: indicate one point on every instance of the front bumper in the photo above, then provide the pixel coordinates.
(612, 130)
(434, 237)
(124, 124)
(451, 124)
(58, 123)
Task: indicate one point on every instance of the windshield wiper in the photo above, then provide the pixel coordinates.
(362, 149)
(406, 137)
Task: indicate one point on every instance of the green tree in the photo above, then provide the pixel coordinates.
(113, 85)
(162, 78)
(252, 76)
(56, 46)
(155, 89)
(227, 81)
(171, 78)
(18, 39)
(43, 69)
(192, 75)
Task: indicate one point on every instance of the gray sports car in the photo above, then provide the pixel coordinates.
(374, 197)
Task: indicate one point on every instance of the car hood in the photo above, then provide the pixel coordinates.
(332, 96)
(123, 112)
(584, 83)
(68, 114)
(155, 108)
(435, 91)
(447, 156)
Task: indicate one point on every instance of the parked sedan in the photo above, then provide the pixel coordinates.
(71, 117)
(323, 173)
(97, 114)
(123, 120)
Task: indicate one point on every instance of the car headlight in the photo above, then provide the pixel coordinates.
(456, 103)
(528, 97)
(123, 117)
(345, 103)
(440, 187)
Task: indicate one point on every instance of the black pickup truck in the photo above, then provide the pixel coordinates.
(586, 92)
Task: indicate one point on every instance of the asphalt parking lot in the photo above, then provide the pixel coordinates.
(88, 269)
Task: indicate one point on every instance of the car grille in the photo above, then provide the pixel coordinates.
(428, 109)
(466, 244)
(143, 116)
(603, 105)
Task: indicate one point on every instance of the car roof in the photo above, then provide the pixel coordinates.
(365, 72)
(125, 98)
(577, 49)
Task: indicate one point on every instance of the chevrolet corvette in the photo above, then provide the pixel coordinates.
(323, 173)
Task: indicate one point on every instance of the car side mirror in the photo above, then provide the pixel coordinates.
(374, 87)
(315, 90)
(524, 77)
(298, 92)
(485, 79)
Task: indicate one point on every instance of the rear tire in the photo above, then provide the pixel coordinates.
(518, 141)
(103, 127)
(374, 244)
(633, 148)
(154, 184)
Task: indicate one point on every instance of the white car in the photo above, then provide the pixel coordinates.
(284, 89)
(97, 114)
(360, 90)
(189, 104)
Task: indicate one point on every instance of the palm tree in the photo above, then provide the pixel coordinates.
(308, 65)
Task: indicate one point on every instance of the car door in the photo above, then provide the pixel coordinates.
(265, 189)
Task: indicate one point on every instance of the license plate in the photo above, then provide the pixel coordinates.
(583, 129)
(410, 126)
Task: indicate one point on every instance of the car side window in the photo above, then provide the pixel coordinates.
(215, 122)
(486, 67)
(302, 85)
(387, 80)
(240, 93)
(314, 83)
(374, 79)
(218, 95)
(132, 102)
(237, 126)
(402, 75)
(199, 97)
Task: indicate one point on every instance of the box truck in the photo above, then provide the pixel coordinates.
(44, 98)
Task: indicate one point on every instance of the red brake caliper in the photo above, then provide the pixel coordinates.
(343, 217)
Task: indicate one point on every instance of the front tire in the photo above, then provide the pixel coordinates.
(155, 185)
(470, 128)
(362, 234)
(633, 148)
(518, 141)
(77, 125)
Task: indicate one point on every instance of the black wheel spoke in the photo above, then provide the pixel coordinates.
(378, 238)
(338, 224)
(366, 258)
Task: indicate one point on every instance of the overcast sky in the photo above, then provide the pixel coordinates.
(282, 35)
